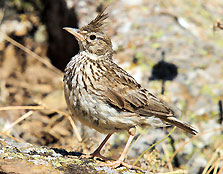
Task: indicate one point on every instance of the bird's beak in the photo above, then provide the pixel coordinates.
(75, 32)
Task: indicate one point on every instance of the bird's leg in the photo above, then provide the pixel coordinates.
(117, 163)
(97, 153)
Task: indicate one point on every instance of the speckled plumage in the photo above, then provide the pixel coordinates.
(85, 94)
(104, 96)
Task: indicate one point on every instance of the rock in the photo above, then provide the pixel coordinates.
(25, 158)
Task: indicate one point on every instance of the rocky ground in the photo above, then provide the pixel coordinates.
(184, 35)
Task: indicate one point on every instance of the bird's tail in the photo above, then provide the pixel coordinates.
(174, 121)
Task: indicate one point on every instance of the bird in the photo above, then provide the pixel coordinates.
(103, 96)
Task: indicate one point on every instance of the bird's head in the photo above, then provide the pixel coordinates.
(92, 39)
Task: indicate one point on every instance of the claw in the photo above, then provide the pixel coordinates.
(96, 155)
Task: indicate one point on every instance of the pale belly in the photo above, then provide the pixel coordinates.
(94, 113)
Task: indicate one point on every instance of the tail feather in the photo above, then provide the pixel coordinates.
(166, 112)
(174, 121)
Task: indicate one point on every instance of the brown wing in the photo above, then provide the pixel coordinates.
(122, 91)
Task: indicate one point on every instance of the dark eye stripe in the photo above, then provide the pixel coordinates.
(98, 38)
(101, 38)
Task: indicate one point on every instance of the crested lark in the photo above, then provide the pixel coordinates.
(105, 97)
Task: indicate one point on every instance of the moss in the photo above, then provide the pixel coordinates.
(38, 158)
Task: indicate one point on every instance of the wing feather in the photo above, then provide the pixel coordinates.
(126, 94)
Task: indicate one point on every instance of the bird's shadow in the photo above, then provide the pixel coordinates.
(63, 152)
(164, 70)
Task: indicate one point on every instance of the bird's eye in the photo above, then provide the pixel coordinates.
(92, 37)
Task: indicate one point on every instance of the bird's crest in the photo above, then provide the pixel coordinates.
(97, 24)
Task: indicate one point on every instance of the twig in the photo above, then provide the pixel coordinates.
(221, 170)
(210, 162)
(34, 55)
(69, 118)
(194, 137)
(167, 157)
(2, 13)
(5, 134)
(214, 166)
(45, 107)
(74, 128)
(175, 172)
(158, 142)
(23, 117)
(20, 107)
(71, 122)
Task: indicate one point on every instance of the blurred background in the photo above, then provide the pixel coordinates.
(171, 47)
